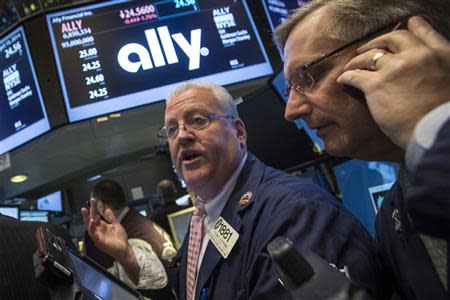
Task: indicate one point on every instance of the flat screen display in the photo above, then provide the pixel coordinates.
(98, 281)
(278, 83)
(362, 185)
(22, 113)
(11, 211)
(51, 202)
(277, 11)
(33, 215)
(121, 54)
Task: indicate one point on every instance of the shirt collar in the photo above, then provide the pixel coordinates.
(215, 205)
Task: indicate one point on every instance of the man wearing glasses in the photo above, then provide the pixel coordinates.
(404, 71)
(242, 206)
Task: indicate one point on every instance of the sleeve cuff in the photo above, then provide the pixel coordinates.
(425, 134)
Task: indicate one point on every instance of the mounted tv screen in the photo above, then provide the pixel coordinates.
(33, 215)
(11, 211)
(277, 11)
(121, 54)
(51, 202)
(22, 113)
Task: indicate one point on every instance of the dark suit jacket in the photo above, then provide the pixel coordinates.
(410, 268)
(16, 259)
(281, 205)
(429, 196)
(425, 209)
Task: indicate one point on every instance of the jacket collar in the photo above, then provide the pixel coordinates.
(247, 184)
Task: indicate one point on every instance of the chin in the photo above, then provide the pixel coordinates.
(339, 149)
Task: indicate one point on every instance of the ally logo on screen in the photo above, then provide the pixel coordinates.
(155, 50)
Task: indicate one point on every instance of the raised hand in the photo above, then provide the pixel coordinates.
(109, 237)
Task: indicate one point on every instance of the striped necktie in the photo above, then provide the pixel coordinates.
(196, 235)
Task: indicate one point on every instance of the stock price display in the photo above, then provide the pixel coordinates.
(118, 55)
(22, 114)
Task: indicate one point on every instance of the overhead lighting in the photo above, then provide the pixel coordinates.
(102, 119)
(18, 178)
(94, 178)
(116, 115)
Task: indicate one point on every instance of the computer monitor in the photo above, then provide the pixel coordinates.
(179, 224)
(362, 184)
(119, 54)
(277, 11)
(34, 215)
(98, 281)
(11, 211)
(51, 202)
(23, 116)
(377, 194)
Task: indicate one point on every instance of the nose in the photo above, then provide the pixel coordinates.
(296, 107)
(184, 134)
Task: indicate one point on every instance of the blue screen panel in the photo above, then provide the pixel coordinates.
(10, 211)
(32, 215)
(362, 185)
(51, 202)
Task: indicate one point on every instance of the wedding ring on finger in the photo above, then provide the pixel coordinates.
(375, 59)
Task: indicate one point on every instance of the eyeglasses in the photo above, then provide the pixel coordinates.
(196, 122)
(302, 80)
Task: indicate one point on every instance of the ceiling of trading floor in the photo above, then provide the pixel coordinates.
(87, 148)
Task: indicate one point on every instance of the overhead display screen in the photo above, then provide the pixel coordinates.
(277, 11)
(121, 54)
(22, 113)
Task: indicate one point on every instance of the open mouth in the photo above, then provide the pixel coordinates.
(189, 155)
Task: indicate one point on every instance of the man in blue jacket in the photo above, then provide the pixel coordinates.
(242, 205)
(402, 65)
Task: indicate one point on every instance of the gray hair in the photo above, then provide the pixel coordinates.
(223, 97)
(351, 19)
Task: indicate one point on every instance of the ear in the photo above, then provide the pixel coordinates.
(241, 132)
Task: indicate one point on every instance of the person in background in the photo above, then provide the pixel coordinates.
(242, 205)
(167, 192)
(148, 243)
(402, 66)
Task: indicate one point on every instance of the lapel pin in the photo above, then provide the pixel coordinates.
(397, 221)
(245, 198)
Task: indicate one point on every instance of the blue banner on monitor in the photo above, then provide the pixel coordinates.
(22, 113)
(32, 215)
(121, 54)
